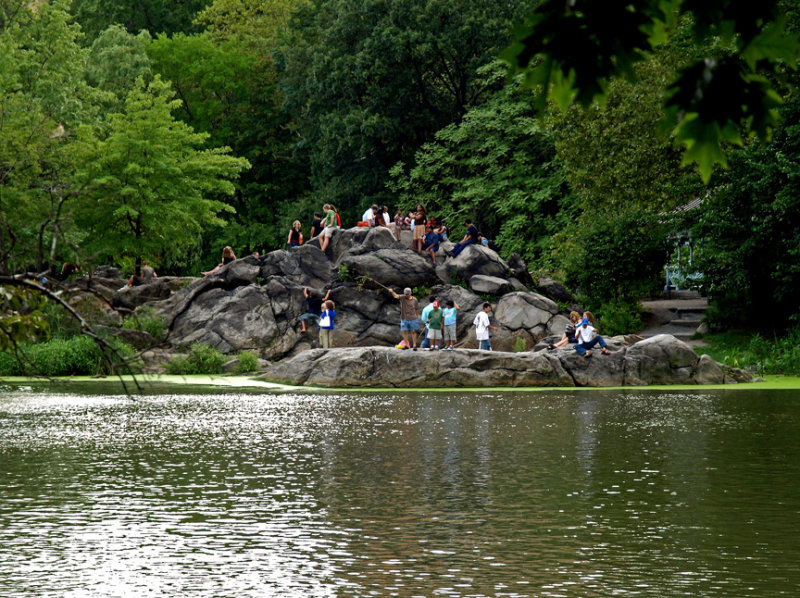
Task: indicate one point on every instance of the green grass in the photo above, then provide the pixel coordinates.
(75, 356)
(776, 355)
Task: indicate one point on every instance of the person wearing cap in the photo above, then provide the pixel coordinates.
(587, 337)
(409, 315)
(434, 323)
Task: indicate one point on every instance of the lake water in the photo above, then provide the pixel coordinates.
(591, 493)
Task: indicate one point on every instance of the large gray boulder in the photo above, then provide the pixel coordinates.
(476, 259)
(666, 363)
(661, 359)
(397, 267)
(491, 285)
(305, 264)
(157, 289)
(387, 367)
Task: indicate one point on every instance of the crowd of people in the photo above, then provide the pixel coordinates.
(432, 328)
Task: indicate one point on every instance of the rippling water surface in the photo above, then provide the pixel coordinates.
(504, 494)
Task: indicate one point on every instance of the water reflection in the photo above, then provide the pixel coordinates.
(505, 494)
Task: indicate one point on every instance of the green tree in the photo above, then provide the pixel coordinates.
(116, 60)
(227, 90)
(43, 98)
(371, 81)
(154, 16)
(150, 185)
(749, 229)
(497, 167)
(570, 50)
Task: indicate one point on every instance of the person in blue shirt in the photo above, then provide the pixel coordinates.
(326, 325)
(470, 238)
(450, 315)
(424, 317)
(430, 243)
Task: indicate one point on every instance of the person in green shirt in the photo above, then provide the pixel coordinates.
(329, 226)
(434, 323)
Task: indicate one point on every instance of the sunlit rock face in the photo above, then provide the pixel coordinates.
(667, 362)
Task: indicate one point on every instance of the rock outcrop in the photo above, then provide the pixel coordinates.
(255, 304)
(662, 360)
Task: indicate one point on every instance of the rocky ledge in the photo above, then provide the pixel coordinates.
(659, 360)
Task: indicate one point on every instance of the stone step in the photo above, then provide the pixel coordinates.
(687, 322)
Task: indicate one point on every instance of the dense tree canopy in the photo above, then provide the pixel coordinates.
(372, 81)
(114, 124)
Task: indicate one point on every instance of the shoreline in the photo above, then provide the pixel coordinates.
(244, 383)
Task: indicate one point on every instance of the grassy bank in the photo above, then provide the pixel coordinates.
(760, 354)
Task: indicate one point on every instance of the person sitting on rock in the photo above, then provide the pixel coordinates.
(330, 224)
(295, 236)
(441, 230)
(588, 338)
(227, 257)
(470, 238)
(409, 314)
(380, 219)
(326, 325)
(314, 306)
(147, 275)
(430, 243)
(482, 327)
(568, 337)
(368, 217)
(400, 223)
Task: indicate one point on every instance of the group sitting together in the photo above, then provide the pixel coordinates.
(581, 332)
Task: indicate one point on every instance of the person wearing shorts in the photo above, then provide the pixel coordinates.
(329, 226)
(434, 322)
(409, 315)
(450, 314)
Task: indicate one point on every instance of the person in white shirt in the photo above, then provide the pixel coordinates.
(587, 337)
(369, 215)
(482, 327)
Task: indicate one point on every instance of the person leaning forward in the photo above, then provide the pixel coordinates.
(409, 315)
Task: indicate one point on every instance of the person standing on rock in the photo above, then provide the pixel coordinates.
(409, 315)
(482, 327)
(420, 216)
(400, 223)
(424, 319)
(295, 235)
(326, 325)
(329, 225)
(587, 338)
(434, 323)
(314, 306)
(316, 225)
(450, 314)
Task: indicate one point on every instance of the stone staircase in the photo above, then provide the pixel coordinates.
(679, 315)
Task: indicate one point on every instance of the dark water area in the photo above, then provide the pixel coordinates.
(598, 493)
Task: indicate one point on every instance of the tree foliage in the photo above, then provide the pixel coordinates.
(150, 184)
(749, 229)
(497, 167)
(373, 80)
(570, 50)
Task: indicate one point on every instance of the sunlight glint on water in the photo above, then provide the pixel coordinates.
(501, 494)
